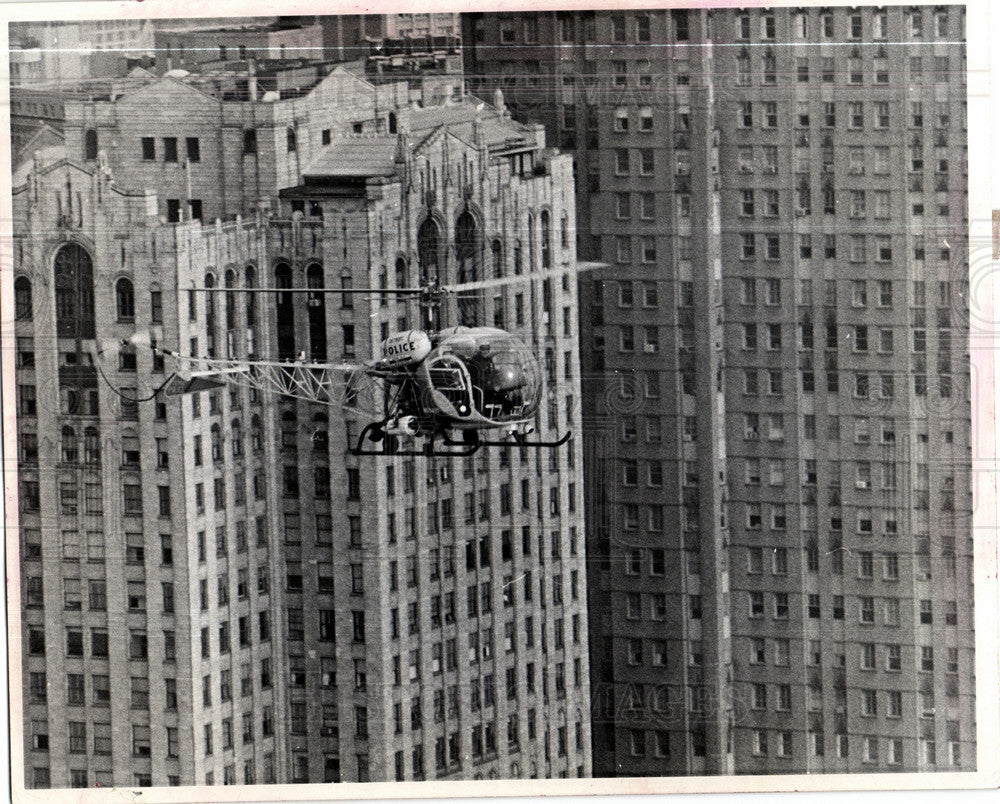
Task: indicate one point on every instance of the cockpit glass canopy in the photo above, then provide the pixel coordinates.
(504, 375)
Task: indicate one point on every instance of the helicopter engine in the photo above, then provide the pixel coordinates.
(404, 426)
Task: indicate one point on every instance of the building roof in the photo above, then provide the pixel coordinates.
(460, 120)
(45, 138)
(356, 156)
(361, 157)
(48, 157)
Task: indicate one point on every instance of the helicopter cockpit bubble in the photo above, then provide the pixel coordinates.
(503, 375)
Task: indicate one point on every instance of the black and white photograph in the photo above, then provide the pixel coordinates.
(543, 394)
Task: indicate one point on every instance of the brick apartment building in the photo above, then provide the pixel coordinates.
(778, 434)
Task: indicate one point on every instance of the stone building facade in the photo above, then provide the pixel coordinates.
(277, 610)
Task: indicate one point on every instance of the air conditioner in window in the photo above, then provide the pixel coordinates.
(863, 484)
(328, 731)
(650, 348)
(746, 169)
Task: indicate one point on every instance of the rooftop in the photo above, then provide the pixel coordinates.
(373, 156)
(273, 26)
(356, 157)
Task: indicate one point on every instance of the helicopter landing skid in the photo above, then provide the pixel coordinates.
(388, 444)
(516, 439)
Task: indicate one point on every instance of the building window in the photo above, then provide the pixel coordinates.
(249, 141)
(90, 144)
(124, 300)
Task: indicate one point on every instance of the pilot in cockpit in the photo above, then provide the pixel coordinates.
(499, 376)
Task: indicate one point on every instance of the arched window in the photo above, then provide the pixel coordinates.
(251, 310)
(91, 445)
(251, 304)
(317, 314)
(216, 435)
(497, 250)
(285, 312)
(231, 299)
(90, 144)
(230, 313)
(392, 122)
(70, 451)
(290, 139)
(467, 254)
(429, 250)
(74, 283)
(237, 436)
(564, 230)
(321, 441)
(22, 299)
(256, 434)
(124, 300)
(402, 273)
(467, 248)
(210, 315)
(546, 239)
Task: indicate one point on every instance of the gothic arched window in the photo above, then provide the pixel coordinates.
(22, 299)
(74, 281)
(429, 250)
(124, 299)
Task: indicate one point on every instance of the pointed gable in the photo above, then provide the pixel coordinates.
(166, 93)
(44, 138)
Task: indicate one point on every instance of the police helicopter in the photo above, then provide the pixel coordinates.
(457, 389)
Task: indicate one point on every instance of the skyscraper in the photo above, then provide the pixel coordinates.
(778, 437)
(266, 607)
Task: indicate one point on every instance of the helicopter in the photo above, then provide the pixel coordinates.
(456, 389)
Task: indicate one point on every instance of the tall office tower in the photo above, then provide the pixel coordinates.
(786, 478)
(267, 608)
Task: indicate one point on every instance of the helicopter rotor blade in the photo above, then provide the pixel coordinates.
(432, 293)
(486, 284)
(368, 291)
